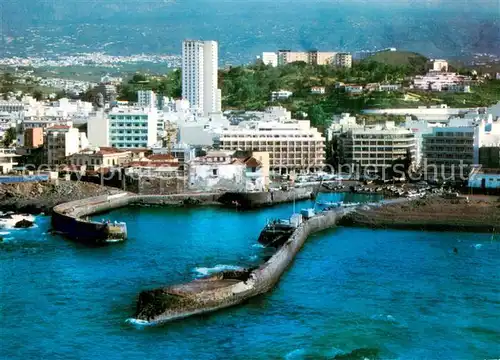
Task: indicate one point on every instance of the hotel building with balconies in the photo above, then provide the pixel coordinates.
(293, 145)
(376, 148)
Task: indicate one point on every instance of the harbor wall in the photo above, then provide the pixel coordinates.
(69, 218)
(156, 305)
(252, 200)
(270, 272)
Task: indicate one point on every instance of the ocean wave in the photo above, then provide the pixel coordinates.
(4, 232)
(253, 257)
(477, 246)
(387, 318)
(296, 354)
(10, 223)
(204, 271)
(138, 322)
(259, 246)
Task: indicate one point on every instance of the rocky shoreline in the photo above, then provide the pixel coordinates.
(476, 214)
(41, 197)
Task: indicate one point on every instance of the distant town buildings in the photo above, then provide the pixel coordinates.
(313, 57)
(200, 75)
(442, 81)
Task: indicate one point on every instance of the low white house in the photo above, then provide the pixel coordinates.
(220, 170)
(353, 89)
(216, 170)
(8, 159)
(280, 95)
(318, 90)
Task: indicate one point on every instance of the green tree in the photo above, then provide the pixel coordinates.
(9, 137)
(38, 95)
(317, 116)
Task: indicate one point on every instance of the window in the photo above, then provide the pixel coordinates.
(214, 172)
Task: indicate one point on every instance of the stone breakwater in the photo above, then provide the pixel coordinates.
(70, 219)
(229, 288)
(38, 197)
(252, 200)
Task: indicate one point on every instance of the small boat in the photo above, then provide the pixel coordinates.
(332, 204)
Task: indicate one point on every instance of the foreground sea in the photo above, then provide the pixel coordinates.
(398, 294)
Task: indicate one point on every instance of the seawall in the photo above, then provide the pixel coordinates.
(253, 200)
(227, 289)
(69, 219)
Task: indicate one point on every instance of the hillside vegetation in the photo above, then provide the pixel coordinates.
(250, 87)
(399, 58)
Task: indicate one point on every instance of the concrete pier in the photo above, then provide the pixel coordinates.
(69, 219)
(229, 288)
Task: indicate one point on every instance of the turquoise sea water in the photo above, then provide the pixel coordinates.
(404, 293)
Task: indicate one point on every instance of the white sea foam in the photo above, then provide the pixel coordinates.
(259, 246)
(138, 322)
(9, 223)
(4, 232)
(204, 271)
(389, 319)
(477, 246)
(296, 354)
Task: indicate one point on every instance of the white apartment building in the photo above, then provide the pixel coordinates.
(146, 99)
(11, 106)
(124, 128)
(343, 60)
(270, 58)
(448, 147)
(8, 159)
(376, 148)
(438, 65)
(200, 61)
(442, 81)
(341, 124)
(62, 141)
(293, 146)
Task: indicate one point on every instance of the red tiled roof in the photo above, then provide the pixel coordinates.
(110, 150)
(136, 150)
(152, 164)
(252, 162)
(59, 127)
(159, 157)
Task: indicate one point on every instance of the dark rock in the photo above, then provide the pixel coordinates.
(23, 224)
(191, 202)
(359, 354)
(1, 239)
